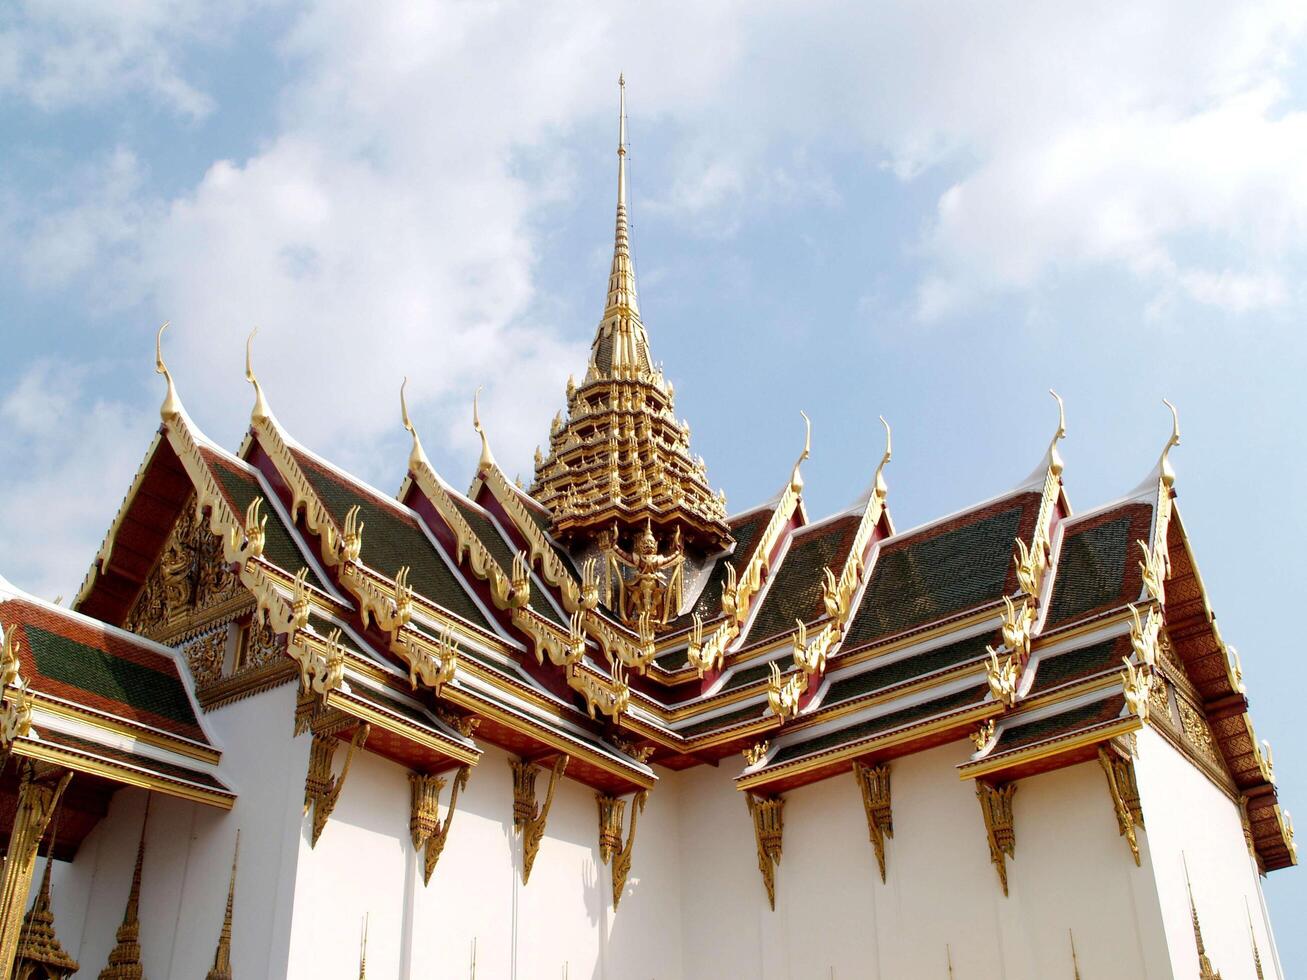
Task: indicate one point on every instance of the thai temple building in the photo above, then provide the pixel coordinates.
(294, 726)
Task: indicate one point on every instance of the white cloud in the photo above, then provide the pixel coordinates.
(386, 227)
(83, 52)
(68, 461)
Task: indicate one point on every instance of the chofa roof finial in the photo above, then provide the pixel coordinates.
(1054, 457)
(1164, 464)
(260, 412)
(487, 458)
(416, 455)
(172, 405)
(796, 478)
(879, 487)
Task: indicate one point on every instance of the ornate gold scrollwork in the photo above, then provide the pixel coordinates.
(1121, 784)
(1002, 677)
(322, 788)
(784, 694)
(1145, 634)
(874, 784)
(768, 825)
(1137, 686)
(611, 696)
(38, 795)
(996, 807)
(611, 811)
(425, 827)
(16, 710)
(433, 662)
(755, 753)
(709, 654)
(529, 817)
(983, 733)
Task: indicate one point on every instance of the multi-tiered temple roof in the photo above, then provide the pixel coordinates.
(615, 616)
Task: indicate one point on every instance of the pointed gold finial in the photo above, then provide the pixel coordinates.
(260, 412)
(1054, 457)
(125, 958)
(222, 956)
(417, 456)
(40, 953)
(796, 478)
(1075, 960)
(363, 950)
(879, 488)
(172, 406)
(1168, 474)
(487, 458)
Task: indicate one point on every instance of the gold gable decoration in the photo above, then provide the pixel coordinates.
(619, 474)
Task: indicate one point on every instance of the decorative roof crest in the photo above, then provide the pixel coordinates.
(172, 405)
(1054, 457)
(487, 460)
(796, 478)
(260, 412)
(417, 456)
(1164, 464)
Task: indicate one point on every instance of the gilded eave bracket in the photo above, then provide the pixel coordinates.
(611, 848)
(874, 784)
(1121, 785)
(428, 832)
(996, 807)
(528, 816)
(322, 788)
(768, 825)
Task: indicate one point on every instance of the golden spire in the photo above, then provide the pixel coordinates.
(39, 946)
(1205, 969)
(172, 405)
(260, 412)
(125, 959)
(222, 956)
(1054, 457)
(1075, 961)
(796, 477)
(1252, 936)
(621, 346)
(363, 950)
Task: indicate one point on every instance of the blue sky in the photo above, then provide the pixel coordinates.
(933, 213)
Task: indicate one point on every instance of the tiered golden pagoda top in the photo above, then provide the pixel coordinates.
(621, 458)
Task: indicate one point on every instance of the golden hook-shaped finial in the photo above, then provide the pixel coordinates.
(417, 456)
(796, 478)
(172, 405)
(1168, 474)
(880, 488)
(260, 412)
(487, 458)
(1054, 457)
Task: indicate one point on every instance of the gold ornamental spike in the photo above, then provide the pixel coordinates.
(222, 955)
(1054, 457)
(1164, 464)
(487, 460)
(796, 478)
(879, 487)
(172, 405)
(260, 412)
(417, 456)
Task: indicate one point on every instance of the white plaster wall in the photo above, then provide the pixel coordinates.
(188, 859)
(560, 924)
(1191, 820)
(942, 896)
(694, 906)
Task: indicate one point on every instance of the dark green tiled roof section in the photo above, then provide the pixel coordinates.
(1076, 665)
(1086, 716)
(749, 675)
(908, 668)
(737, 717)
(709, 603)
(941, 572)
(1098, 567)
(278, 546)
(392, 540)
(489, 535)
(113, 681)
(883, 724)
(795, 589)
